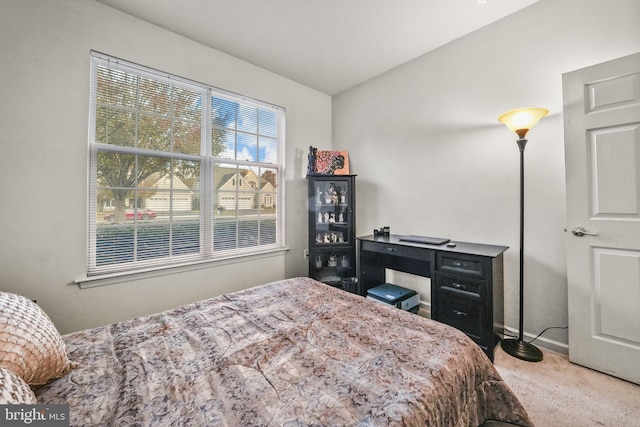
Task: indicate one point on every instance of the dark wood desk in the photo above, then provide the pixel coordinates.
(466, 281)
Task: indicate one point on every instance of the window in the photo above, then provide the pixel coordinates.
(179, 172)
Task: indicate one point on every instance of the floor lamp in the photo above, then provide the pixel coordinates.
(520, 121)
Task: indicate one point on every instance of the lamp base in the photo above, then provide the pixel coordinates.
(522, 350)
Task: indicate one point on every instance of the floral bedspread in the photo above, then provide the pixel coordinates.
(290, 353)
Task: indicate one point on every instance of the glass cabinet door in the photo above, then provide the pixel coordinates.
(333, 212)
(331, 228)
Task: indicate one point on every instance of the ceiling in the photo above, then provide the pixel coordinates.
(328, 45)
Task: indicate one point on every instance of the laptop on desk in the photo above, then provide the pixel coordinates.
(424, 239)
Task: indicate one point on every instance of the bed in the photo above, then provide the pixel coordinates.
(295, 352)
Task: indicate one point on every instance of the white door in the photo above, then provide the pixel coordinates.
(602, 149)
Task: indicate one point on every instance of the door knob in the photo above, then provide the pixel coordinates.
(579, 231)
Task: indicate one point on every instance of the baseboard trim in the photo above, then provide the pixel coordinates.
(557, 346)
(425, 309)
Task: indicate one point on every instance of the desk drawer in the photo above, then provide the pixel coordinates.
(472, 287)
(396, 250)
(462, 264)
(462, 313)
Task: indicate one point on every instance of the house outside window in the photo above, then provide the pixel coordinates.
(179, 172)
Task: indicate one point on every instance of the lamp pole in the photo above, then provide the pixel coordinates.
(521, 144)
(520, 348)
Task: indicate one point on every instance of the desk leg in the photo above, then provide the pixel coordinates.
(371, 275)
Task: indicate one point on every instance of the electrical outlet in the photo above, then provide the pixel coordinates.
(305, 253)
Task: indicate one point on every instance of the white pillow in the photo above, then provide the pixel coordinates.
(13, 390)
(30, 344)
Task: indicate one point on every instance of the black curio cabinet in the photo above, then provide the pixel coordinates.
(332, 225)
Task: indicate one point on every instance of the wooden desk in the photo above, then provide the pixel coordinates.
(466, 281)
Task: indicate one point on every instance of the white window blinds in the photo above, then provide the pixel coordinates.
(179, 172)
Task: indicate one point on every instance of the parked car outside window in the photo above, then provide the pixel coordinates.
(129, 213)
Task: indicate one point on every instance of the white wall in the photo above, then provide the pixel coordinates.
(44, 87)
(431, 125)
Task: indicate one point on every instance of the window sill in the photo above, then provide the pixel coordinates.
(128, 276)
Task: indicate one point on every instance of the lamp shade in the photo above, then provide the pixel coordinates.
(521, 120)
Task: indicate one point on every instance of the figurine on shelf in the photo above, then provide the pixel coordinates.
(318, 261)
(318, 196)
(311, 167)
(333, 261)
(332, 218)
(319, 217)
(326, 217)
(333, 193)
(341, 216)
(343, 196)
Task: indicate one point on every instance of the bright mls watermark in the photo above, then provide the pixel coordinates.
(34, 415)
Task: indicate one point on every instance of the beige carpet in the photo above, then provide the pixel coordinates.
(556, 392)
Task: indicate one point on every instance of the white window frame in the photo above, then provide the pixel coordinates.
(207, 253)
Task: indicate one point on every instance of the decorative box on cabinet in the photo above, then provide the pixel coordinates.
(332, 251)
